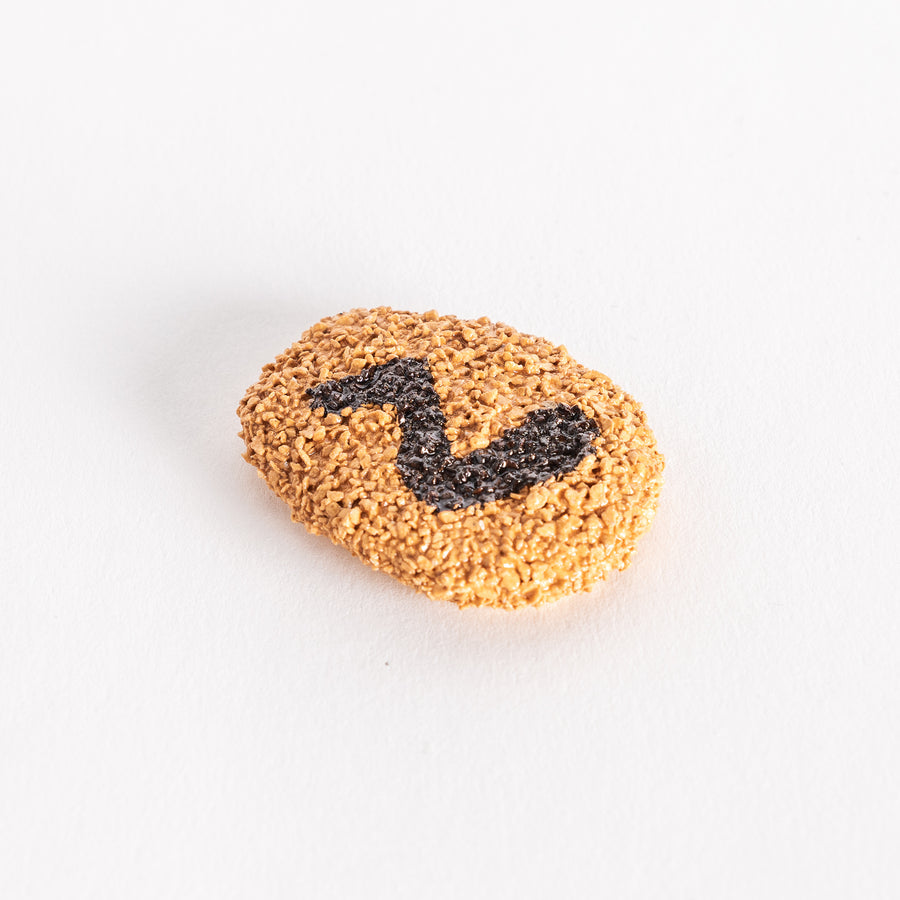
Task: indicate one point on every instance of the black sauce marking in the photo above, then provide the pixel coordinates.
(548, 444)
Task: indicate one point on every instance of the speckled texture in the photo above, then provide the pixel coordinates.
(549, 443)
(345, 472)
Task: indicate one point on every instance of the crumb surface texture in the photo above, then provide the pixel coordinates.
(470, 461)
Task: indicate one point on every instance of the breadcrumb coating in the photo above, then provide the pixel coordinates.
(338, 471)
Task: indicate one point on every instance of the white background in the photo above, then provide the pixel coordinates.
(198, 699)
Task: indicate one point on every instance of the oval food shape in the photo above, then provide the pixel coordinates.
(475, 463)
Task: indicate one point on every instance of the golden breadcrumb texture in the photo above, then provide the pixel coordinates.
(338, 472)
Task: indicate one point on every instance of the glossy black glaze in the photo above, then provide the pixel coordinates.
(549, 443)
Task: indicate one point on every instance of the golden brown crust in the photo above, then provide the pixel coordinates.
(338, 475)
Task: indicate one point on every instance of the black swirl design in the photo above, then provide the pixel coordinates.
(548, 444)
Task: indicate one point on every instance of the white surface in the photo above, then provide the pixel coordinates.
(198, 699)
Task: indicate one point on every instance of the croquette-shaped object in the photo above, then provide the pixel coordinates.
(472, 462)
